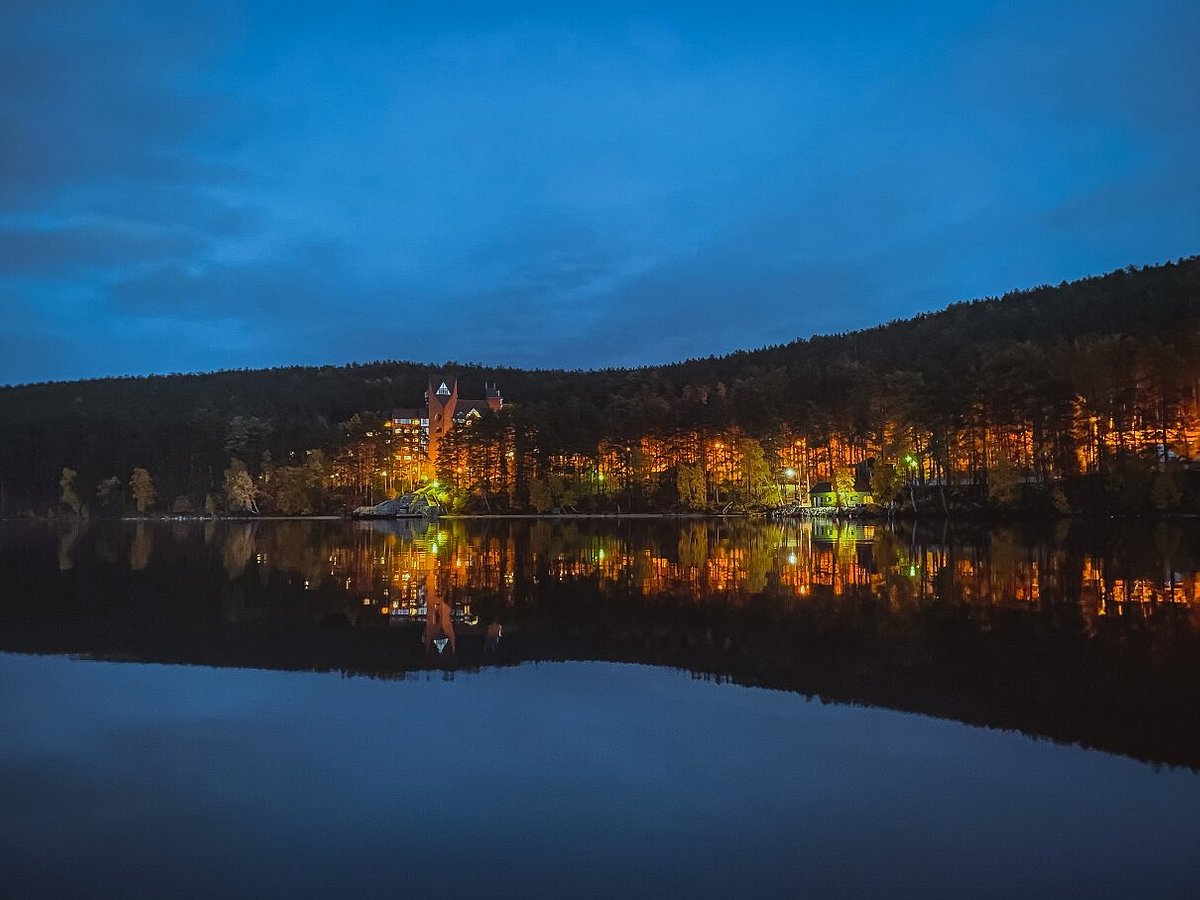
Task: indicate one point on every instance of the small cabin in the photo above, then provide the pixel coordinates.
(823, 496)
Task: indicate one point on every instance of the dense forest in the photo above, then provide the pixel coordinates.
(1077, 397)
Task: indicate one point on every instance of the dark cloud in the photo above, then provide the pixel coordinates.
(98, 95)
(310, 280)
(78, 249)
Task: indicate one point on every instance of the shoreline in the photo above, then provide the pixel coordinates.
(875, 519)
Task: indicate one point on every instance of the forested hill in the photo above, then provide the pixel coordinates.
(1116, 355)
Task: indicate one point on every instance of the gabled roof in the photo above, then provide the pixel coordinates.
(443, 384)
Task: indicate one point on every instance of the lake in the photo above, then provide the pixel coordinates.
(599, 706)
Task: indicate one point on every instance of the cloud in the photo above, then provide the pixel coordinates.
(311, 280)
(90, 96)
(77, 249)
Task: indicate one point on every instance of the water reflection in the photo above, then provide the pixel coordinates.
(396, 566)
(1080, 631)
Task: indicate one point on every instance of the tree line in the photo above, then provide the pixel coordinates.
(1080, 395)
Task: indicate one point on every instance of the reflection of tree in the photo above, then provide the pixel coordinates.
(756, 563)
(693, 545)
(885, 550)
(66, 546)
(239, 544)
(1167, 539)
(541, 539)
(234, 606)
(141, 547)
(1004, 558)
(490, 565)
(642, 570)
(846, 544)
(109, 546)
(294, 546)
(1062, 530)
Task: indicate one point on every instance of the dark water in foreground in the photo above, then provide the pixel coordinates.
(598, 707)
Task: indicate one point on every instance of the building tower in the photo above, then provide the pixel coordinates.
(441, 402)
(492, 394)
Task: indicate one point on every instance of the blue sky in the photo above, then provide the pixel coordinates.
(194, 186)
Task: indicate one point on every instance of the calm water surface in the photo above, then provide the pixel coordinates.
(598, 707)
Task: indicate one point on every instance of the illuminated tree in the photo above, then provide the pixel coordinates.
(756, 471)
(141, 485)
(843, 484)
(1003, 481)
(540, 497)
(67, 494)
(240, 490)
(887, 480)
(293, 490)
(692, 486)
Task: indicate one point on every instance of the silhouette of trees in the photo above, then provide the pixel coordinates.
(1089, 387)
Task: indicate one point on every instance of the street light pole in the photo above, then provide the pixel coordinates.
(790, 474)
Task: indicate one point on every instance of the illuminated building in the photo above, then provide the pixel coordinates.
(416, 433)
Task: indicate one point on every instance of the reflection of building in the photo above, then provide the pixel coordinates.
(419, 600)
(439, 630)
(492, 640)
